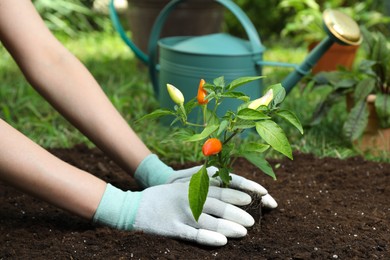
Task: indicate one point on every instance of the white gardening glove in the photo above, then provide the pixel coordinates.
(164, 210)
(237, 182)
(153, 172)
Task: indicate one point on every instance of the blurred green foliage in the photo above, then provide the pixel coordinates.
(71, 16)
(271, 19)
(304, 22)
(74, 16)
(266, 17)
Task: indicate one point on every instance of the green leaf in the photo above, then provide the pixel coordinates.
(368, 39)
(190, 105)
(261, 163)
(382, 107)
(365, 65)
(212, 118)
(219, 82)
(197, 191)
(291, 118)
(256, 147)
(157, 113)
(326, 78)
(237, 95)
(363, 89)
(356, 122)
(210, 88)
(241, 81)
(224, 124)
(243, 124)
(345, 83)
(251, 114)
(279, 93)
(251, 148)
(274, 136)
(324, 106)
(223, 173)
(207, 131)
(174, 121)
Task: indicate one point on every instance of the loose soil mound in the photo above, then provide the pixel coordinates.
(328, 209)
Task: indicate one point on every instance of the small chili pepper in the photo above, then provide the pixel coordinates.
(211, 146)
(202, 93)
(175, 94)
(263, 101)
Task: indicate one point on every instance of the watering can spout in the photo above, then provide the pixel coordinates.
(340, 29)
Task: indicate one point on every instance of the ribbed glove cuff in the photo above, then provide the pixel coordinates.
(152, 172)
(117, 208)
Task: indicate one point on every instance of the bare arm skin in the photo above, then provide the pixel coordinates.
(62, 80)
(30, 168)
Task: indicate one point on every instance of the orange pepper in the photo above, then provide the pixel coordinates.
(211, 146)
(202, 93)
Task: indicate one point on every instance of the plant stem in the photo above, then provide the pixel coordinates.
(184, 113)
(204, 108)
(216, 106)
(230, 137)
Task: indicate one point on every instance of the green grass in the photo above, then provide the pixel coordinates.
(126, 82)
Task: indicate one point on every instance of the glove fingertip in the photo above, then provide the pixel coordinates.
(257, 188)
(232, 196)
(239, 216)
(247, 220)
(214, 182)
(210, 238)
(269, 202)
(229, 228)
(248, 185)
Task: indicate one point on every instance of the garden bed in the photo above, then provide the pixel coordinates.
(328, 209)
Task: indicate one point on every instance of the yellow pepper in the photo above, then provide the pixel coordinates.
(263, 101)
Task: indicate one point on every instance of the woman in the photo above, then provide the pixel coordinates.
(162, 208)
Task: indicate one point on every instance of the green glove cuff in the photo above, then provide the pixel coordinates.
(117, 208)
(152, 172)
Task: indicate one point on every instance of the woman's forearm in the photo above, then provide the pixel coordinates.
(30, 168)
(80, 99)
(64, 81)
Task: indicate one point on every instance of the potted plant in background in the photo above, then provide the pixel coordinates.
(220, 134)
(192, 17)
(306, 26)
(367, 93)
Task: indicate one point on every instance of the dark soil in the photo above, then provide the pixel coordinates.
(328, 209)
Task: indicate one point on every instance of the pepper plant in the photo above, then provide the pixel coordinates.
(218, 132)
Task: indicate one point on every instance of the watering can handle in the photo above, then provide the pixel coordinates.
(250, 30)
(118, 26)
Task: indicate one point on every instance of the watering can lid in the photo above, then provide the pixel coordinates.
(342, 27)
(211, 44)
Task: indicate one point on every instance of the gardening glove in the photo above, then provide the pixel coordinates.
(152, 171)
(164, 210)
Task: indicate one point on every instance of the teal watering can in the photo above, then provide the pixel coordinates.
(184, 60)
